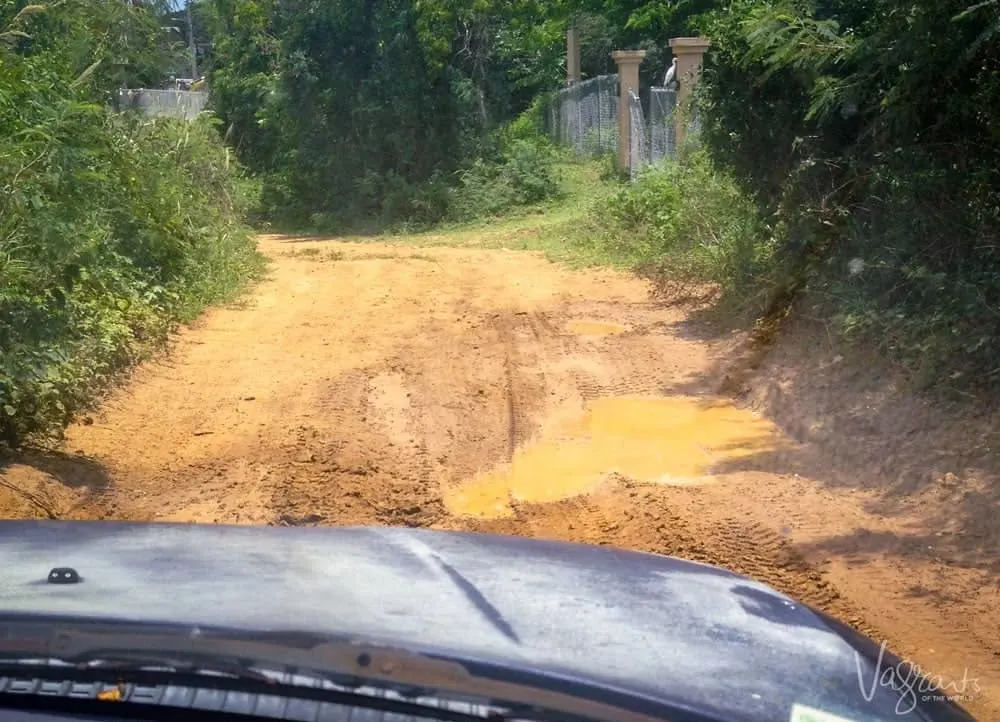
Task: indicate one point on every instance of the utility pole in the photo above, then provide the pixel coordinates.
(194, 51)
(572, 53)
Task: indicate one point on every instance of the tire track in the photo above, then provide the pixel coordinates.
(526, 344)
(504, 330)
(512, 406)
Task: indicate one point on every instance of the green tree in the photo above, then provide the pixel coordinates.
(367, 108)
(111, 225)
(871, 130)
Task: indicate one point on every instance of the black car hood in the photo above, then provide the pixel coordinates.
(647, 625)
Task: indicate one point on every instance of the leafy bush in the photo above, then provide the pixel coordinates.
(904, 277)
(524, 174)
(112, 227)
(868, 132)
(516, 168)
(686, 220)
(528, 126)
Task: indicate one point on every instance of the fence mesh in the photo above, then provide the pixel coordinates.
(585, 117)
(662, 131)
(638, 148)
(185, 104)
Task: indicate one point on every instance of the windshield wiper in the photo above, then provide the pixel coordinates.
(202, 671)
(196, 666)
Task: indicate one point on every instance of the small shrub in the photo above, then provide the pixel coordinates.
(524, 174)
(530, 125)
(688, 221)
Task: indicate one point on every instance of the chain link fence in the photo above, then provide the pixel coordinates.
(585, 117)
(652, 135)
(662, 129)
(184, 104)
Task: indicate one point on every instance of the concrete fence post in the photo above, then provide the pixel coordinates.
(690, 54)
(628, 62)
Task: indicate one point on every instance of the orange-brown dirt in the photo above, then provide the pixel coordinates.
(495, 391)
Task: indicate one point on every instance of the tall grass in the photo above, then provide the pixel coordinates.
(112, 229)
(684, 221)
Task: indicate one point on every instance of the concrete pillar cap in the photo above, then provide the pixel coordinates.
(628, 56)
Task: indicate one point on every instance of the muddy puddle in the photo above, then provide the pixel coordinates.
(667, 440)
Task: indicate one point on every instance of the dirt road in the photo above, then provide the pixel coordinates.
(494, 391)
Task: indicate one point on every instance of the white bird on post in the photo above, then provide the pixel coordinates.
(671, 76)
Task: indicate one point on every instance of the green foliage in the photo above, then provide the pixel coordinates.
(870, 131)
(906, 277)
(244, 68)
(341, 107)
(101, 45)
(529, 126)
(111, 228)
(376, 111)
(360, 115)
(523, 174)
(687, 221)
